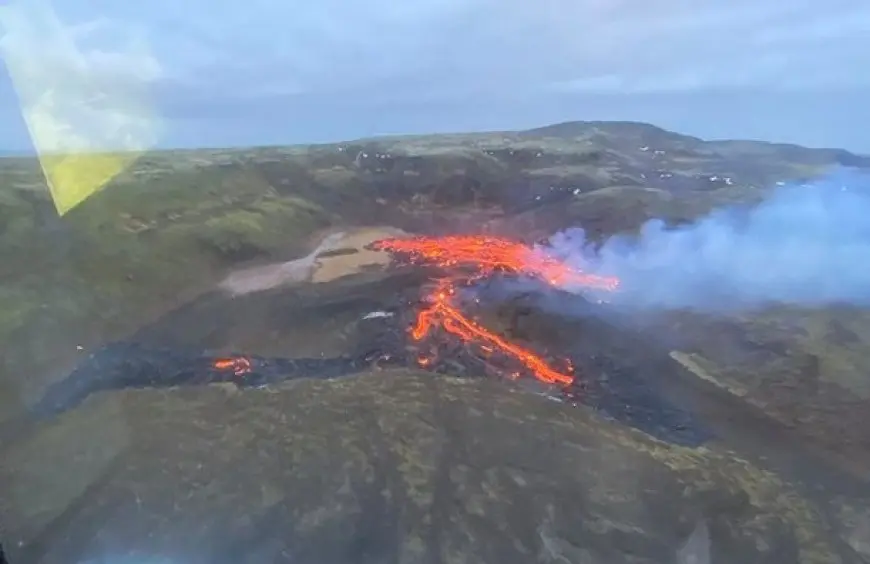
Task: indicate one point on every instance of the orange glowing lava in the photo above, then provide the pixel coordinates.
(444, 314)
(238, 364)
(486, 255)
(492, 254)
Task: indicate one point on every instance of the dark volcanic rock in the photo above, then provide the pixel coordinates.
(180, 350)
(131, 365)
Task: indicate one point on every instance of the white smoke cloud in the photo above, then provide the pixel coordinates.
(806, 244)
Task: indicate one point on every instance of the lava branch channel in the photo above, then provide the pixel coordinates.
(485, 256)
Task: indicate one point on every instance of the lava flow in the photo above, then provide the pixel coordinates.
(485, 256)
(239, 365)
(492, 254)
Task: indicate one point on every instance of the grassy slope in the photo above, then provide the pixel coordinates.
(464, 469)
(143, 245)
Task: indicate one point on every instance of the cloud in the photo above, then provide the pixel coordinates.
(381, 54)
(486, 46)
(462, 46)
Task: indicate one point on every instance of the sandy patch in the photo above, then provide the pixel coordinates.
(331, 267)
(336, 254)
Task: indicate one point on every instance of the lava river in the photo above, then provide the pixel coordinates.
(479, 257)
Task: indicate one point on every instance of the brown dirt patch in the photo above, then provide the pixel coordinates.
(334, 254)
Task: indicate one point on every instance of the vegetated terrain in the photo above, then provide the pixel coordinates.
(402, 466)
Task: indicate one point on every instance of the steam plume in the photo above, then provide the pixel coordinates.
(806, 244)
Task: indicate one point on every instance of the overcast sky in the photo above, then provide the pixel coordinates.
(221, 73)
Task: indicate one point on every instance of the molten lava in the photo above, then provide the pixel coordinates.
(492, 254)
(486, 256)
(444, 314)
(239, 365)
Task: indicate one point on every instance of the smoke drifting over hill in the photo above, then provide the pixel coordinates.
(806, 244)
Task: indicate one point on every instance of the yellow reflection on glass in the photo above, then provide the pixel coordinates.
(86, 109)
